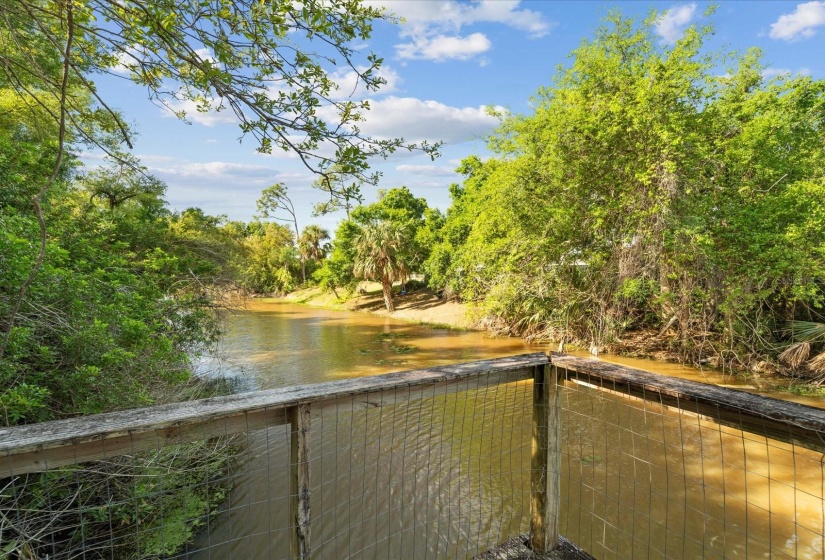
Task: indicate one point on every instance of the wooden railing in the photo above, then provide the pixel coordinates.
(40, 447)
(777, 419)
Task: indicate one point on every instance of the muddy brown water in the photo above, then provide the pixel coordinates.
(447, 477)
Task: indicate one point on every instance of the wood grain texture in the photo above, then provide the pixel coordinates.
(773, 418)
(38, 447)
(545, 463)
(300, 420)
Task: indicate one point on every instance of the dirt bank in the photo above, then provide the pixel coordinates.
(421, 306)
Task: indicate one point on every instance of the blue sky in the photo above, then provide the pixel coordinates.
(443, 65)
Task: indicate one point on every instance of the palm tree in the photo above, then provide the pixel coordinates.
(379, 252)
(311, 243)
(802, 335)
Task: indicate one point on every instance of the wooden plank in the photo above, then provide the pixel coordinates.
(554, 448)
(545, 464)
(104, 447)
(300, 420)
(773, 418)
(35, 447)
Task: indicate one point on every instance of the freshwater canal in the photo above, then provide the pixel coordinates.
(639, 482)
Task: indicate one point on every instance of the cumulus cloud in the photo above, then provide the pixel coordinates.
(210, 117)
(801, 24)
(426, 170)
(434, 27)
(350, 86)
(416, 120)
(443, 47)
(769, 73)
(673, 22)
(221, 175)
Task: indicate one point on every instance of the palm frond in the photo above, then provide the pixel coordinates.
(805, 331)
(796, 354)
(817, 363)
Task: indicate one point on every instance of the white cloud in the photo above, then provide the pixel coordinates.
(674, 22)
(206, 54)
(210, 117)
(350, 85)
(451, 14)
(416, 120)
(219, 174)
(442, 47)
(426, 170)
(211, 170)
(800, 24)
(434, 26)
(769, 73)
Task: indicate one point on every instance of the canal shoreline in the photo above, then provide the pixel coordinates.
(419, 307)
(425, 308)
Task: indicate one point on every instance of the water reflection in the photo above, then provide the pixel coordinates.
(448, 476)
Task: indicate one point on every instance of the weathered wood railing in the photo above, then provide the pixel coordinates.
(773, 418)
(39, 447)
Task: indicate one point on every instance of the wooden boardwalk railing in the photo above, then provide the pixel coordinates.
(40, 447)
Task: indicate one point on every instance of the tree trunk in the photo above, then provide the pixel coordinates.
(387, 286)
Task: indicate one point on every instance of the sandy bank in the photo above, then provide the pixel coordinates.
(421, 306)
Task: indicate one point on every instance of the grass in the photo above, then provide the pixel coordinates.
(804, 390)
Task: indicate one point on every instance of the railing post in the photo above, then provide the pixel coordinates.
(545, 465)
(300, 420)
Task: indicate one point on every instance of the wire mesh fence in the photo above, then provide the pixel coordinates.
(420, 468)
(433, 471)
(654, 474)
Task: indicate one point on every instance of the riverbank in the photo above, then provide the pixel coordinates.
(421, 306)
(425, 307)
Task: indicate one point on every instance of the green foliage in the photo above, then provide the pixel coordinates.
(271, 263)
(646, 190)
(383, 241)
(337, 270)
(164, 496)
(122, 302)
(379, 255)
(216, 55)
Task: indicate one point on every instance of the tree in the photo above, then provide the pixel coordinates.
(337, 270)
(646, 190)
(267, 62)
(311, 243)
(126, 180)
(343, 188)
(379, 249)
(271, 263)
(253, 59)
(407, 212)
(273, 200)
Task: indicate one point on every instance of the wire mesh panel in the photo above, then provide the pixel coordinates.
(140, 504)
(444, 476)
(645, 479)
(424, 464)
(433, 471)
